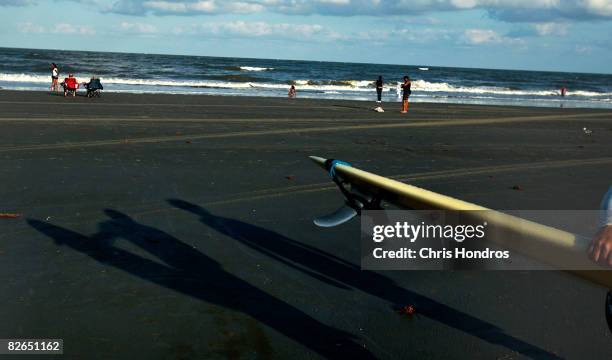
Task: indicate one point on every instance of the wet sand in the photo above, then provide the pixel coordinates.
(180, 227)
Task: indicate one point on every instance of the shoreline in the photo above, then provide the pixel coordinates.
(115, 94)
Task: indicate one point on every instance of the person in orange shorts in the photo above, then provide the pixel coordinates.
(405, 94)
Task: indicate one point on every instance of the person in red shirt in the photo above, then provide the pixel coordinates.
(70, 85)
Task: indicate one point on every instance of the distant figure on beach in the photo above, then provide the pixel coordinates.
(93, 87)
(292, 93)
(379, 89)
(600, 250)
(563, 91)
(54, 77)
(405, 94)
(70, 85)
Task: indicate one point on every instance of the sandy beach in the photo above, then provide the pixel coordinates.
(180, 227)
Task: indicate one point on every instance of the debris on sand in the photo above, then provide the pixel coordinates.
(187, 141)
(379, 109)
(587, 132)
(517, 187)
(10, 215)
(407, 310)
(290, 177)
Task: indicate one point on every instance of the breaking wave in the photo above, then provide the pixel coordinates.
(422, 85)
(323, 86)
(254, 68)
(248, 68)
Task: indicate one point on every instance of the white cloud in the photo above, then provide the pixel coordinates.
(60, 28)
(255, 29)
(487, 36)
(188, 7)
(508, 10)
(598, 7)
(181, 7)
(551, 29)
(64, 28)
(244, 7)
(481, 36)
(404, 35)
(30, 28)
(312, 33)
(138, 28)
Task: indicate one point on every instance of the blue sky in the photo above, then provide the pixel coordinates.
(557, 35)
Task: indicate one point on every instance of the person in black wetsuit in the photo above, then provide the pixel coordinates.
(379, 88)
(405, 94)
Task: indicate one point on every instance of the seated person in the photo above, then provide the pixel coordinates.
(93, 87)
(70, 84)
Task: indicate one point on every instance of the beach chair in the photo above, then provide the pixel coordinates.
(70, 85)
(94, 88)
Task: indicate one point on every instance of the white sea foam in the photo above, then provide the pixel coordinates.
(348, 86)
(25, 78)
(422, 85)
(255, 68)
(362, 83)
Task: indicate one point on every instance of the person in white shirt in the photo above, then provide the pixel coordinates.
(54, 77)
(600, 250)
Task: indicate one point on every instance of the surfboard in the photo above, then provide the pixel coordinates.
(543, 243)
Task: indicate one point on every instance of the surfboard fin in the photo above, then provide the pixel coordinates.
(355, 201)
(338, 217)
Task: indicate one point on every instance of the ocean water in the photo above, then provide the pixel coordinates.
(28, 69)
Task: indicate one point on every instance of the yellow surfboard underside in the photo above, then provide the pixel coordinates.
(555, 247)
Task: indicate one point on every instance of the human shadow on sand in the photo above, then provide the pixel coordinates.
(332, 269)
(191, 272)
